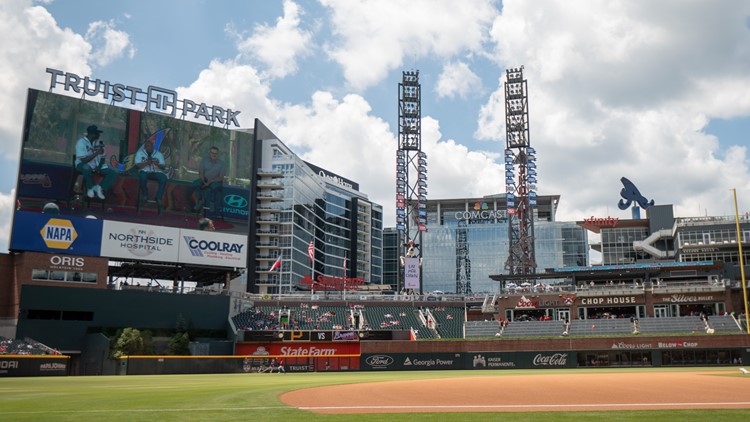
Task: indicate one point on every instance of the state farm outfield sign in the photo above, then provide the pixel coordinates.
(157, 100)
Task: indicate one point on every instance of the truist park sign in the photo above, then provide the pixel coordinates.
(158, 100)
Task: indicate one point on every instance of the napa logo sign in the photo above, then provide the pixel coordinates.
(58, 234)
(34, 231)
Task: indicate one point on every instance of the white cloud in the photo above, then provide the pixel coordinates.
(234, 86)
(32, 41)
(278, 47)
(365, 148)
(626, 89)
(109, 44)
(457, 80)
(375, 37)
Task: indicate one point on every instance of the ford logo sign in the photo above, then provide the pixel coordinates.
(379, 360)
(235, 201)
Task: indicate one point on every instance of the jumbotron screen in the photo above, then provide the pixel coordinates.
(101, 180)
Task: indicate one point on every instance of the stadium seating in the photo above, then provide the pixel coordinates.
(450, 321)
(603, 327)
(533, 329)
(9, 346)
(724, 324)
(671, 325)
(480, 329)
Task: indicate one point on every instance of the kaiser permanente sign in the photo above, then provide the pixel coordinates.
(158, 100)
(113, 239)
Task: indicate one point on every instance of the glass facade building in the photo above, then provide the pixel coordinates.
(467, 241)
(318, 222)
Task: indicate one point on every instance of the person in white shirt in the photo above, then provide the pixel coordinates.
(90, 159)
(151, 166)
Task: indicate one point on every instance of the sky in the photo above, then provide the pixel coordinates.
(655, 91)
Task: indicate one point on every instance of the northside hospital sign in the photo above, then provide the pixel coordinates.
(158, 100)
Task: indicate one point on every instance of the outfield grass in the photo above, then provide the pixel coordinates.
(254, 397)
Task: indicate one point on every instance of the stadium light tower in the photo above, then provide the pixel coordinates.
(463, 280)
(411, 178)
(520, 177)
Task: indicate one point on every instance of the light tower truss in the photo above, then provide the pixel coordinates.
(520, 177)
(463, 262)
(411, 171)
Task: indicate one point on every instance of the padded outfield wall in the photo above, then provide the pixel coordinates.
(404, 355)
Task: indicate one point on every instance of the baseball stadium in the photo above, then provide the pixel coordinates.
(161, 268)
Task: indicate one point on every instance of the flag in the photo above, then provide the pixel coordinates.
(311, 252)
(276, 264)
(344, 265)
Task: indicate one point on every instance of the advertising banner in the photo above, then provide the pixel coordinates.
(212, 248)
(140, 241)
(56, 233)
(411, 361)
(411, 273)
(33, 366)
(520, 360)
(41, 180)
(235, 202)
(297, 349)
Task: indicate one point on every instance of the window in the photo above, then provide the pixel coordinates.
(63, 276)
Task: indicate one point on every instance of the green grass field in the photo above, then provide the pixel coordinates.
(254, 397)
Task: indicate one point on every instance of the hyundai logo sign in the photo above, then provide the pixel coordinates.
(235, 201)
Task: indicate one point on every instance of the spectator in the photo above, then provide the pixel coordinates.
(206, 224)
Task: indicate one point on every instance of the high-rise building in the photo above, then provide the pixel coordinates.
(317, 221)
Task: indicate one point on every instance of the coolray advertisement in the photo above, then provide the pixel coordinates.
(83, 158)
(140, 241)
(56, 234)
(212, 248)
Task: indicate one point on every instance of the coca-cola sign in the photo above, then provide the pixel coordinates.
(557, 359)
(379, 361)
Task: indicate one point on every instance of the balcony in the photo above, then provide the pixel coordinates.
(267, 245)
(269, 173)
(269, 196)
(270, 184)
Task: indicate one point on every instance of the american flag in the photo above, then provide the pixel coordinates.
(276, 264)
(311, 252)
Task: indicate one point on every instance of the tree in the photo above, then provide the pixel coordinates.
(178, 345)
(130, 342)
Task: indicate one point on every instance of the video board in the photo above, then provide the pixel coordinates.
(134, 172)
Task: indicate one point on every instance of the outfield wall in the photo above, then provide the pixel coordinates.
(34, 365)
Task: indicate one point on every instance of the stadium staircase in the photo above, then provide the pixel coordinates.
(724, 324)
(449, 321)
